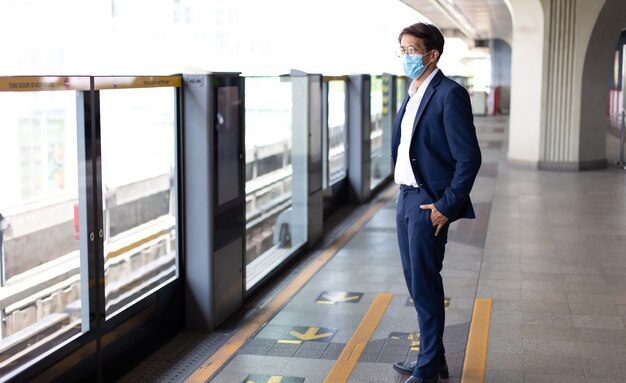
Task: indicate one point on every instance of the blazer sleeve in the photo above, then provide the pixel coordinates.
(458, 123)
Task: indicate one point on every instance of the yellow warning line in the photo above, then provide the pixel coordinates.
(476, 354)
(215, 362)
(352, 351)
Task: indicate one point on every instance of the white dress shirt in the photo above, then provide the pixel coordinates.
(403, 174)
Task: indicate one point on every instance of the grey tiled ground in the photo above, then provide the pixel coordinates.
(553, 263)
(369, 263)
(548, 247)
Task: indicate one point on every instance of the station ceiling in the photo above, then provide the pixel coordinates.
(471, 20)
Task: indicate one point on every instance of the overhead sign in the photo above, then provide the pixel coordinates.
(48, 83)
(195, 80)
(331, 297)
(102, 83)
(299, 334)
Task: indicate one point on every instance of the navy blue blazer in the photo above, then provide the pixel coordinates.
(444, 150)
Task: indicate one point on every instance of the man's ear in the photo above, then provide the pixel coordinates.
(436, 55)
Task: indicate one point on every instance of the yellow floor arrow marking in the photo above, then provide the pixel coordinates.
(275, 379)
(310, 334)
(329, 297)
(340, 297)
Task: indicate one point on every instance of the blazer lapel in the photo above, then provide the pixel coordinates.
(398, 120)
(427, 95)
(403, 108)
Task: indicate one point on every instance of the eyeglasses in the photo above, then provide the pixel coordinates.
(401, 52)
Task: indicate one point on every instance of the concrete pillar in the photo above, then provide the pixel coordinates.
(562, 56)
(525, 124)
(560, 139)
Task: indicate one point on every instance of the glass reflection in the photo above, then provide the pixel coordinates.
(376, 132)
(337, 154)
(401, 91)
(139, 173)
(40, 260)
(273, 221)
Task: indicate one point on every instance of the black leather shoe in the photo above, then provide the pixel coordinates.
(413, 379)
(408, 367)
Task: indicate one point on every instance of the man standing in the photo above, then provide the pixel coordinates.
(437, 158)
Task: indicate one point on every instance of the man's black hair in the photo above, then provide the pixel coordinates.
(428, 33)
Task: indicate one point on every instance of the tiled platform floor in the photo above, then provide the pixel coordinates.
(548, 247)
(370, 264)
(555, 265)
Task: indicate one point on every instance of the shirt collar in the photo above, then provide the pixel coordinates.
(413, 87)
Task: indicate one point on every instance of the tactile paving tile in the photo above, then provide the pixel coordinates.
(178, 359)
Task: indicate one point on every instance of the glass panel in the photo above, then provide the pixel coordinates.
(228, 147)
(401, 91)
(139, 177)
(376, 132)
(384, 162)
(40, 260)
(273, 220)
(337, 154)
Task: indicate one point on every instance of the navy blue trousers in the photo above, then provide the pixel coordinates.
(422, 260)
